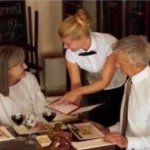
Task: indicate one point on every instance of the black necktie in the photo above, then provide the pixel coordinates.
(125, 110)
(87, 53)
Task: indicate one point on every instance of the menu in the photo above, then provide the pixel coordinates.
(71, 109)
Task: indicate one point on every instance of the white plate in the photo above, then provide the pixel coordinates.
(23, 130)
(90, 144)
(5, 134)
(85, 131)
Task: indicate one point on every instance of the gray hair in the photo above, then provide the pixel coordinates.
(10, 56)
(136, 47)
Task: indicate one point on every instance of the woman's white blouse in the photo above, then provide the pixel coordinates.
(26, 95)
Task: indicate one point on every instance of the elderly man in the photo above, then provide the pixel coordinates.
(133, 130)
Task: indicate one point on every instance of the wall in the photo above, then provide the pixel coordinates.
(49, 20)
(50, 16)
(90, 6)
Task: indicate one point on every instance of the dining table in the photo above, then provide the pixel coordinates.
(15, 144)
(21, 145)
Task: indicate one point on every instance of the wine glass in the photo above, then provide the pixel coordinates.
(30, 122)
(17, 117)
(49, 115)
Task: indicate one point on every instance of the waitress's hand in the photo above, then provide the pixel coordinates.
(72, 97)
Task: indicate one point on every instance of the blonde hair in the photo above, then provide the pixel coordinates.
(10, 56)
(76, 26)
(136, 47)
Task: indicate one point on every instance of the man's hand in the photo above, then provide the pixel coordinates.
(116, 138)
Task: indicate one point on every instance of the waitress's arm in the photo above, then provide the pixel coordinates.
(74, 75)
(105, 78)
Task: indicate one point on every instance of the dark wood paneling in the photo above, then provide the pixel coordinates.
(122, 18)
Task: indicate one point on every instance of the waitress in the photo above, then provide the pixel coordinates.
(92, 52)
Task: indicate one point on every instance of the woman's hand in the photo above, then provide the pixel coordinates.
(73, 96)
(116, 138)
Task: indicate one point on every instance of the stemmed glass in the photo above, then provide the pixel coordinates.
(18, 117)
(30, 122)
(48, 115)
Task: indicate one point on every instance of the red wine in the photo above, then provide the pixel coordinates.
(18, 119)
(49, 116)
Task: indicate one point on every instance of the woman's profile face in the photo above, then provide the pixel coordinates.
(17, 72)
(73, 44)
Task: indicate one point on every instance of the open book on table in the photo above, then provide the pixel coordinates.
(70, 109)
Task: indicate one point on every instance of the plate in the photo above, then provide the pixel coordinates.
(5, 134)
(85, 131)
(90, 144)
(23, 130)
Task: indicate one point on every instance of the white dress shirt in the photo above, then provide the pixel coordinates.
(23, 95)
(138, 127)
(93, 64)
